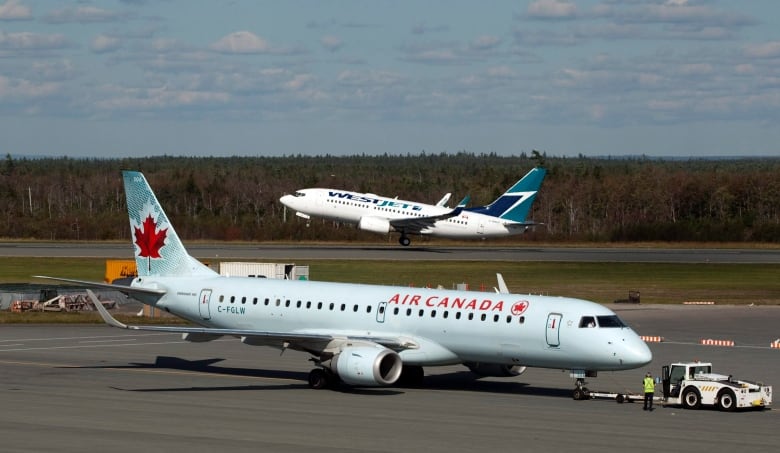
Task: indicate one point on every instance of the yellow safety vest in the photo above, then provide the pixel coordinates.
(649, 385)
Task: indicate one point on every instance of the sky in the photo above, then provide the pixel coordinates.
(136, 78)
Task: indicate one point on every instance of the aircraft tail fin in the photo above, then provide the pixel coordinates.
(158, 250)
(515, 203)
(464, 201)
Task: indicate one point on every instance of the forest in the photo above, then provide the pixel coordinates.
(583, 199)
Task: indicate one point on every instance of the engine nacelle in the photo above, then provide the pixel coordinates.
(374, 225)
(495, 369)
(367, 366)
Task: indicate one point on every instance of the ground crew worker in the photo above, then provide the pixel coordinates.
(649, 385)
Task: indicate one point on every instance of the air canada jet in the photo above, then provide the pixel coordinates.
(366, 335)
(503, 217)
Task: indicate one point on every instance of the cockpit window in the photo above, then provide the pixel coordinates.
(610, 321)
(300, 194)
(587, 321)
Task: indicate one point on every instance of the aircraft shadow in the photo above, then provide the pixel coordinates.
(459, 381)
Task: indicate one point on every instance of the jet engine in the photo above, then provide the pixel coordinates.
(374, 225)
(495, 369)
(367, 366)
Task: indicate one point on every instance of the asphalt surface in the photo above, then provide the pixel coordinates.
(94, 388)
(481, 252)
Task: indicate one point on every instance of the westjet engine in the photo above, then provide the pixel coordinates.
(367, 366)
(495, 369)
(374, 225)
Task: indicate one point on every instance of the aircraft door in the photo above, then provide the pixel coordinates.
(380, 312)
(553, 329)
(203, 305)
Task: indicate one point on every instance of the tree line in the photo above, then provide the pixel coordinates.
(237, 198)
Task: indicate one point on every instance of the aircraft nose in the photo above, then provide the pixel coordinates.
(638, 353)
(286, 200)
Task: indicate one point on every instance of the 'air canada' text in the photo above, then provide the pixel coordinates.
(461, 303)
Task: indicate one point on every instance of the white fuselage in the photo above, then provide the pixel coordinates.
(446, 327)
(351, 207)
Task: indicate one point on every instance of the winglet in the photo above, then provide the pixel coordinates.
(110, 320)
(502, 288)
(444, 200)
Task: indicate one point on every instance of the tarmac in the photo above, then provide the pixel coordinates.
(75, 388)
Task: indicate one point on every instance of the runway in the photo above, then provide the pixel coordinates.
(479, 252)
(93, 388)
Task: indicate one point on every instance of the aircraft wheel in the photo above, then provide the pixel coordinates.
(318, 379)
(579, 394)
(405, 241)
(691, 398)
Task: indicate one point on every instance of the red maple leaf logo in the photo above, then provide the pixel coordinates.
(149, 240)
(519, 307)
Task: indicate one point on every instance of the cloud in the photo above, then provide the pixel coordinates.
(421, 29)
(242, 42)
(672, 12)
(104, 44)
(31, 41)
(13, 10)
(25, 89)
(331, 43)
(552, 10)
(484, 43)
(83, 15)
(769, 49)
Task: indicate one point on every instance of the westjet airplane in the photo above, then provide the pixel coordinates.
(503, 217)
(367, 335)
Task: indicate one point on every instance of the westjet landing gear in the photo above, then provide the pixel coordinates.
(404, 240)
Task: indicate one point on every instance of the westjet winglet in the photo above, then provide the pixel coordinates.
(366, 335)
(503, 217)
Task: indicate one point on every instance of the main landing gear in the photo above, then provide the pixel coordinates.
(404, 240)
(320, 378)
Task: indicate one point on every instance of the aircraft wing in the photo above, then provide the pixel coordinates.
(300, 341)
(416, 224)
